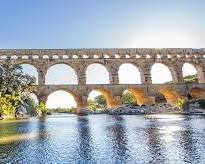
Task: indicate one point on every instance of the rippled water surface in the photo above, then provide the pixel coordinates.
(103, 139)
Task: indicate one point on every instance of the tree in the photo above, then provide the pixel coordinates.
(29, 104)
(13, 84)
(14, 81)
(92, 105)
(128, 98)
(42, 109)
(6, 106)
(101, 101)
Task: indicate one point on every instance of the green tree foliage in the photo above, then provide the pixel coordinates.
(6, 106)
(42, 109)
(99, 102)
(128, 98)
(181, 104)
(29, 104)
(64, 110)
(13, 84)
(191, 79)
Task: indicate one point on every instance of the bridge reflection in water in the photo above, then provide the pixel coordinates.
(104, 139)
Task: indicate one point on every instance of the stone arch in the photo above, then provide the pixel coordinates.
(76, 97)
(97, 73)
(199, 71)
(140, 96)
(170, 94)
(65, 67)
(134, 69)
(111, 102)
(157, 76)
(196, 93)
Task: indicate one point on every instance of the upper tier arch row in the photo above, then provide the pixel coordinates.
(32, 54)
(174, 63)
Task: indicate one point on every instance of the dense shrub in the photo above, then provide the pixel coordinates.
(181, 104)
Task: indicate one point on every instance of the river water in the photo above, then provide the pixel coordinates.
(67, 138)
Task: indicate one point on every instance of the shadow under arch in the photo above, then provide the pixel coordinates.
(111, 101)
(140, 96)
(69, 67)
(196, 93)
(77, 98)
(170, 94)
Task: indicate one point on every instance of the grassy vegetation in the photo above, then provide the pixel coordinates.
(63, 110)
(191, 79)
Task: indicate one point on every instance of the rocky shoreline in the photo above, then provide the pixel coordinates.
(162, 108)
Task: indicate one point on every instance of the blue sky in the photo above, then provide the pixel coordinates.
(103, 24)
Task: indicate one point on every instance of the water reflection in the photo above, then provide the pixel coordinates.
(155, 146)
(117, 133)
(84, 140)
(188, 143)
(103, 139)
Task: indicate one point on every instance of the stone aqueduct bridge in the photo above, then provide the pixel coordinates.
(143, 59)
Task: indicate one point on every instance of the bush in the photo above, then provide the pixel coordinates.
(6, 106)
(181, 104)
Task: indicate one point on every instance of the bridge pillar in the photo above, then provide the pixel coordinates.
(42, 98)
(146, 77)
(81, 75)
(114, 79)
(82, 103)
(201, 74)
(41, 76)
(82, 78)
(113, 73)
(177, 75)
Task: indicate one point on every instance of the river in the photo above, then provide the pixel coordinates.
(67, 138)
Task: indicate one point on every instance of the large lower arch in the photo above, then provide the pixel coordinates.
(171, 95)
(62, 99)
(140, 96)
(129, 74)
(97, 74)
(160, 74)
(111, 102)
(61, 74)
(30, 70)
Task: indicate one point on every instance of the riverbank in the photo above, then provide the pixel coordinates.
(192, 108)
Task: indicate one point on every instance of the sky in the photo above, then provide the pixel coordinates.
(102, 24)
